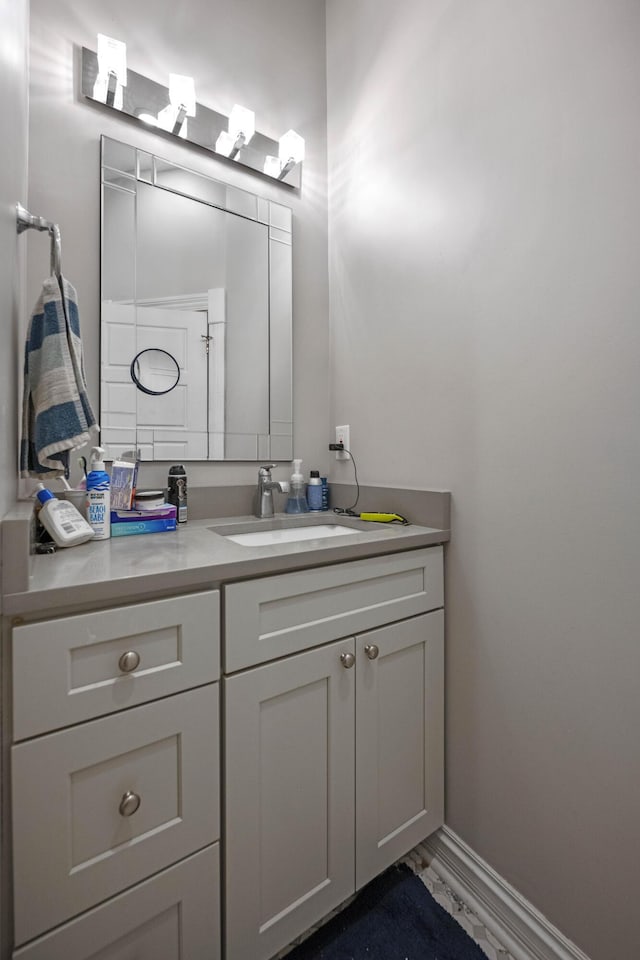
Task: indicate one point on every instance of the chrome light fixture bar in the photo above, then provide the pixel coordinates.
(231, 138)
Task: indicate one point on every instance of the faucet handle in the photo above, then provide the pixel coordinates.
(265, 471)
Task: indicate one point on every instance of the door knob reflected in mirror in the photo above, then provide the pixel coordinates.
(371, 651)
(347, 660)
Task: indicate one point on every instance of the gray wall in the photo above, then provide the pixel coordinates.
(270, 57)
(13, 188)
(14, 17)
(484, 211)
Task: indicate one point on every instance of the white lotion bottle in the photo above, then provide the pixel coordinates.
(62, 520)
(99, 496)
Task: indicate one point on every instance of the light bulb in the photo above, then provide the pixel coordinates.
(242, 122)
(291, 147)
(112, 71)
(182, 91)
(271, 166)
(112, 58)
(225, 143)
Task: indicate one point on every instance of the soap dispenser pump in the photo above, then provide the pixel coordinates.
(297, 502)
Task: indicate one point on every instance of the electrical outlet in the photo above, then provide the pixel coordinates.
(342, 436)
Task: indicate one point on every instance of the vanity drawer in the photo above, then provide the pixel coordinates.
(276, 616)
(173, 916)
(78, 837)
(76, 668)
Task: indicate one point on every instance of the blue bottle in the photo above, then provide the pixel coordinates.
(314, 491)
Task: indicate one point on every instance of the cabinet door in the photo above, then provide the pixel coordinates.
(289, 797)
(399, 740)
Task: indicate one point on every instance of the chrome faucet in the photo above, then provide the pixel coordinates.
(264, 496)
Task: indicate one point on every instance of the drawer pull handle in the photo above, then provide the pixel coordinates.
(129, 661)
(129, 804)
(371, 651)
(347, 660)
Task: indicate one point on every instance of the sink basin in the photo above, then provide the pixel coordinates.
(261, 538)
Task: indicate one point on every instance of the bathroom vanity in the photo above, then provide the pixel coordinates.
(314, 668)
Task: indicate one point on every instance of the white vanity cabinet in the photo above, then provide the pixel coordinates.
(115, 783)
(333, 748)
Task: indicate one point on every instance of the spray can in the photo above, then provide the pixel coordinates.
(98, 496)
(177, 490)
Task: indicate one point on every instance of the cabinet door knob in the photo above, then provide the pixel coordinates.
(347, 660)
(371, 651)
(129, 661)
(129, 804)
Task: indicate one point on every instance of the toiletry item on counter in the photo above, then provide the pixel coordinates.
(98, 499)
(77, 497)
(297, 502)
(148, 499)
(314, 491)
(124, 476)
(325, 493)
(61, 520)
(126, 523)
(177, 490)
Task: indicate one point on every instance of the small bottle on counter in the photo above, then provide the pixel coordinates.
(297, 502)
(314, 491)
(98, 496)
(177, 491)
(325, 493)
(61, 520)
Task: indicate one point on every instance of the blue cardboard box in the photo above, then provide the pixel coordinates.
(127, 523)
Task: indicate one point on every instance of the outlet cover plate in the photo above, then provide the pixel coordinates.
(343, 436)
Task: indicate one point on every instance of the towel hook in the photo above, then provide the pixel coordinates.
(26, 221)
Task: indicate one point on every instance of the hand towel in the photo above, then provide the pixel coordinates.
(56, 413)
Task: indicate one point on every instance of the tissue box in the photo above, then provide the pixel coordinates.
(126, 523)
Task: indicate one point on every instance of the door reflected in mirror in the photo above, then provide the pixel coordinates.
(195, 315)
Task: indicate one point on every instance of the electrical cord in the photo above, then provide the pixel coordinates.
(351, 511)
(348, 511)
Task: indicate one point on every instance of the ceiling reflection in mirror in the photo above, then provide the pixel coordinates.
(199, 271)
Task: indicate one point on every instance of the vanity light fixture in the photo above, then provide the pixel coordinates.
(232, 137)
(112, 71)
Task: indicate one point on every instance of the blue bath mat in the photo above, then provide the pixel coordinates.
(393, 918)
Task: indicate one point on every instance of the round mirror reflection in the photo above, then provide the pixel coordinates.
(155, 371)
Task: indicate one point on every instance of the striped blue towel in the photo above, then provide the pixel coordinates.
(56, 413)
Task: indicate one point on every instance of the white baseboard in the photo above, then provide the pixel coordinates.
(522, 929)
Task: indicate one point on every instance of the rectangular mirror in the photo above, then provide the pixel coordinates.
(196, 315)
